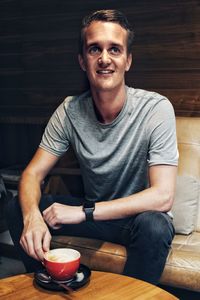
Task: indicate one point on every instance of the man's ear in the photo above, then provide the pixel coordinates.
(81, 62)
(129, 62)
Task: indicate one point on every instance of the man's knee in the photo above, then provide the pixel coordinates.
(155, 225)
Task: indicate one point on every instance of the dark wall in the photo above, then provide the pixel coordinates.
(38, 60)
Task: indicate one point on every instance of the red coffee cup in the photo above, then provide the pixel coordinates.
(62, 263)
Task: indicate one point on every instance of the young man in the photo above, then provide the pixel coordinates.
(125, 141)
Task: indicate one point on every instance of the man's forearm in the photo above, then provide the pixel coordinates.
(149, 199)
(29, 193)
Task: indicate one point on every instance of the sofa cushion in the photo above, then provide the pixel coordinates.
(182, 268)
(185, 205)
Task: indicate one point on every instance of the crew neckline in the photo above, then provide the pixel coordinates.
(117, 119)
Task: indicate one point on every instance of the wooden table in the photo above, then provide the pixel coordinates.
(103, 286)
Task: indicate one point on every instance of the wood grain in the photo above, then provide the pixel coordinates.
(104, 286)
(39, 48)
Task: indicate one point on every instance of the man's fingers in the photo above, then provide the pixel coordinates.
(35, 243)
(47, 216)
(29, 246)
(52, 220)
(46, 241)
(24, 244)
(51, 214)
(48, 211)
(37, 240)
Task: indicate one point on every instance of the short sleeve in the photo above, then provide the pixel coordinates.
(56, 135)
(161, 134)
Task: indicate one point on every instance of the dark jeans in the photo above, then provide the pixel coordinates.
(147, 237)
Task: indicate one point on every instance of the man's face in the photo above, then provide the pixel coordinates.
(105, 57)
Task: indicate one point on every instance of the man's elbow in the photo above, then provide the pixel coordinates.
(167, 201)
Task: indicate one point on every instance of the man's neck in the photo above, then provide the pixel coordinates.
(108, 104)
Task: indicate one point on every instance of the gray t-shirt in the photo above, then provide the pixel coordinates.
(114, 158)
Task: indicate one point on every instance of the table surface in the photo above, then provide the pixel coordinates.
(102, 286)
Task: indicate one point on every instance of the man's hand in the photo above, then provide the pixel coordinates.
(58, 214)
(36, 237)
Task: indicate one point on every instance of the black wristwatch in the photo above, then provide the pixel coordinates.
(88, 208)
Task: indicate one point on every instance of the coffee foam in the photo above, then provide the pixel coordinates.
(59, 257)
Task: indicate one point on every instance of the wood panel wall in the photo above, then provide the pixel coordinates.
(38, 54)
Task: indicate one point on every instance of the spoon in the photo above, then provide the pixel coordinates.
(46, 278)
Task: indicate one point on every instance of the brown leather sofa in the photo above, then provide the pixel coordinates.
(183, 264)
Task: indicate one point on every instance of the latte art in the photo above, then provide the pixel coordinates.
(59, 258)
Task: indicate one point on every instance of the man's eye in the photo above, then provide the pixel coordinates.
(115, 50)
(94, 50)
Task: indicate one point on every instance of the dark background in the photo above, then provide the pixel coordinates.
(39, 67)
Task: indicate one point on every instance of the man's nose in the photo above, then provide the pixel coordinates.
(104, 58)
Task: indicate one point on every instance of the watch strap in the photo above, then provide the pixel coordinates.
(88, 208)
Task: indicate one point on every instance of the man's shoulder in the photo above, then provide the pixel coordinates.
(145, 94)
(71, 101)
(147, 100)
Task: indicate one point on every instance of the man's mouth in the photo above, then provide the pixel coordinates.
(104, 72)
